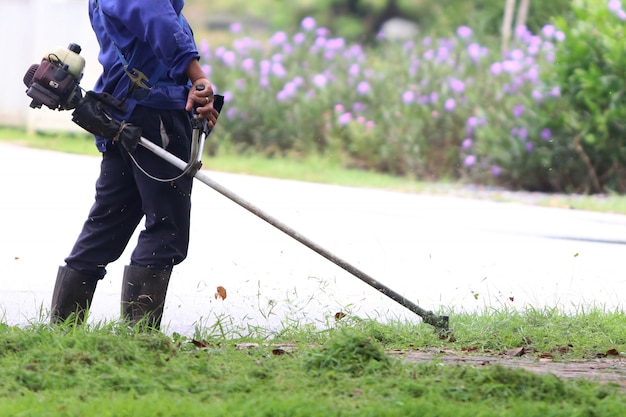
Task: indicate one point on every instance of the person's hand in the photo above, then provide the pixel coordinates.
(200, 100)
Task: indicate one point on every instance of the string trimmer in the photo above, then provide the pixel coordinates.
(55, 83)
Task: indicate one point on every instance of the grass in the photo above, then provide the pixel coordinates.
(342, 369)
(328, 171)
(109, 370)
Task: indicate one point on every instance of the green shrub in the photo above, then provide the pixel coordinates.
(591, 71)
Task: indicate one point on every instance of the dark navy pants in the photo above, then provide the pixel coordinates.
(125, 195)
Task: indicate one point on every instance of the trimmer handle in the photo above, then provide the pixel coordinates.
(201, 123)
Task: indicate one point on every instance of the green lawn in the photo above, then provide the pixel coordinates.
(344, 370)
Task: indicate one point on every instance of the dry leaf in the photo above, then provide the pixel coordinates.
(339, 315)
(221, 293)
(200, 344)
(516, 352)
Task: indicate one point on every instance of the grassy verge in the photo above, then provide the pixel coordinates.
(329, 171)
(108, 370)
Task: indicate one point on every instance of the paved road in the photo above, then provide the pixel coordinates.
(440, 252)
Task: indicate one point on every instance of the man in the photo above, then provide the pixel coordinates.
(150, 64)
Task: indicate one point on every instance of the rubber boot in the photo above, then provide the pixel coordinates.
(143, 296)
(72, 295)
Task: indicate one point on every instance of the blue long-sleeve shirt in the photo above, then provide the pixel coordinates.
(164, 37)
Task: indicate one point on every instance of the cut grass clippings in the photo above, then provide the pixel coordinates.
(109, 370)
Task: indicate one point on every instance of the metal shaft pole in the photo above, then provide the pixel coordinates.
(439, 322)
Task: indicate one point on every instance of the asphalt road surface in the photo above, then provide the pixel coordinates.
(444, 253)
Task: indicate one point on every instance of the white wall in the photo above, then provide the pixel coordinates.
(29, 29)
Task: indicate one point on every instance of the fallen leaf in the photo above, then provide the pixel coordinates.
(517, 352)
(200, 344)
(612, 352)
(221, 293)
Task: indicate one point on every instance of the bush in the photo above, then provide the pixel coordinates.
(591, 71)
(437, 108)
(407, 109)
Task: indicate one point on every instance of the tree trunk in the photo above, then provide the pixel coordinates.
(522, 13)
(509, 11)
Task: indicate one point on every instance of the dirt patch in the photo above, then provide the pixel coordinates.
(603, 370)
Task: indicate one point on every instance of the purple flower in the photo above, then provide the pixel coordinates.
(467, 143)
(354, 70)
(521, 32)
(235, 28)
(308, 24)
(511, 66)
(229, 58)
(464, 32)
(278, 70)
(339, 108)
(320, 80)
(518, 110)
(559, 36)
(476, 51)
(247, 64)
(278, 38)
(496, 171)
(265, 67)
(496, 68)
(522, 134)
(449, 104)
(546, 134)
(469, 160)
(358, 106)
(322, 32)
(615, 5)
(344, 119)
(231, 113)
(457, 85)
(408, 97)
(299, 38)
(530, 146)
(548, 31)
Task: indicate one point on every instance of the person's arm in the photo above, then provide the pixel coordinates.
(201, 100)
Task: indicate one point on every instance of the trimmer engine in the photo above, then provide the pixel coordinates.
(55, 81)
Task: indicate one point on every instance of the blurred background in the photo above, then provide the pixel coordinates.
(518, 94)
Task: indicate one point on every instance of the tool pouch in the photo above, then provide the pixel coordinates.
(94, 114)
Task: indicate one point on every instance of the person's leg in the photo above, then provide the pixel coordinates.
(167, 204)
(105, 234)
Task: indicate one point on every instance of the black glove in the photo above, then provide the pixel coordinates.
(93, 114)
